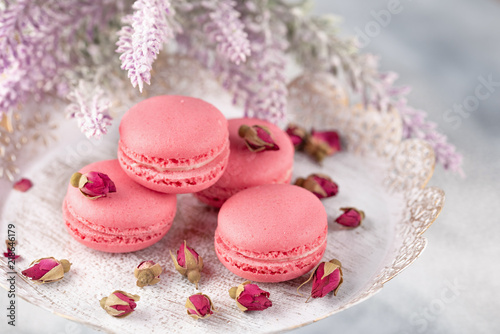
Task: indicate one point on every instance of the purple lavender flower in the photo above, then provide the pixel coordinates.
(227, 31)
(143, 36)
(259, 84)
(38, 44)
(90, 106)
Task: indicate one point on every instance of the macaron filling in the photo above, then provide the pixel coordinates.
(181, 178)
(98, 234)
(272, 262)
(153, 228)
(172, 164)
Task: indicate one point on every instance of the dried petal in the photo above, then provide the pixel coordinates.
(249, 297)
(322, 144)
(147, 273)
(257, 138)
(199, 306)
(319, 184)
(351, 217)
(188, 263)
(11, 250)
(327, 277)
(93, 184)
(47, 270)
(23, 185)
(298, 136)
(119, 304)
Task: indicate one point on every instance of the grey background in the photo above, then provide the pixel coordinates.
(440, 48)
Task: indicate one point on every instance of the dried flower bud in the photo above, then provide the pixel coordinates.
(119, 304)
(249, 297)
(188, 263)
(319, 184)
(258, 138)
(47, 270)
(147, 273)
(298, 136)
(327, 277)
(93, 184)
(23, 185)
(11, 249)
(351, 217)
(322, 144)
(199, 306)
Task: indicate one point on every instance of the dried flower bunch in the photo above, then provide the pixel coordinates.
(67, 49)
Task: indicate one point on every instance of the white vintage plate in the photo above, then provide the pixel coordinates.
(378, 174)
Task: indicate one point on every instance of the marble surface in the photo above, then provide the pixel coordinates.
(441, 48)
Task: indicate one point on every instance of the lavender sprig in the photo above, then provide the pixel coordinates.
(142, 37)
(315, 42)
(90, 106)
(415, 124)
(259, 84)
(41, 40)
(226, 30)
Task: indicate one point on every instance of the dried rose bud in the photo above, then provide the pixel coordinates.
(47, 270)
(199, 306)
(23, 185)
(11, 247)
(188, 263)
(93, 184)
(297, 135)
(327, 277)
(351, 217)
(319, 184)
(322, 144)
(119, 304)
(258, 138)
(249, 297)
(147, 273)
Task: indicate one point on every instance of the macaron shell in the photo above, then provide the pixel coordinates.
(277, 217)
(174, 144)
(120, 242)
(132, 218)
(262, 270)
(246, 169)
(271, 233)
(172, 126)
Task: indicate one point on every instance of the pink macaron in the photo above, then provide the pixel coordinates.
(246, 169)
(130, 219)
(271, 233)
(174, 144)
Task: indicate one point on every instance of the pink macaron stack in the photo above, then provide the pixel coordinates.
(168, 145)
(268, 230)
